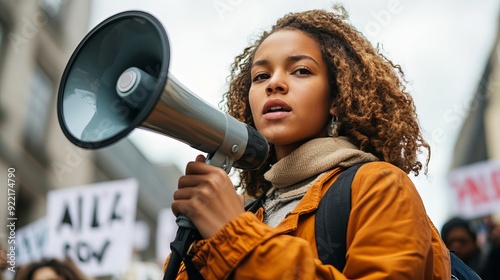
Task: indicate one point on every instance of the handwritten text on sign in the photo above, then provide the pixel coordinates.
(476, 189)
(93, 225)
(32, 241)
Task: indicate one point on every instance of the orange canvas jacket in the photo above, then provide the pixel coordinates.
(389, 236)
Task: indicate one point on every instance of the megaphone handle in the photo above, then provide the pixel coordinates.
(186, 235)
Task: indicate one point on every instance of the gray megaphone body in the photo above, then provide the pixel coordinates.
(117, 79)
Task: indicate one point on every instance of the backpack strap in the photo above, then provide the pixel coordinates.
(332, 217)
(461, 271)
(256, 204)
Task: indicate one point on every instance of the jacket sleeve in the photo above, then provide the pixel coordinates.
(388, 238)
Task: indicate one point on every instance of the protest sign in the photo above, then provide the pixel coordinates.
(31, 242)
(475, 189)
(93, 225)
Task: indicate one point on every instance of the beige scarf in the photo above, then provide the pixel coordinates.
(314, 157)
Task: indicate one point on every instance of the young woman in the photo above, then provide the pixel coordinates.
(325, 100)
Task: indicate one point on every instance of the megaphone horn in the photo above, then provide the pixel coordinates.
(117, 80)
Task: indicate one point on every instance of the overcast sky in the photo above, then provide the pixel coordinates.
(442, 45)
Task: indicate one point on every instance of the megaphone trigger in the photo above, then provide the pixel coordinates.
(219, 160)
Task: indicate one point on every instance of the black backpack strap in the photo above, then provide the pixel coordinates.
(332, 217)
(256, 204)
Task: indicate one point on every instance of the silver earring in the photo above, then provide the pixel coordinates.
(333, 127)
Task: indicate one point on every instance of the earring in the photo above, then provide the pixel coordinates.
(333, 127)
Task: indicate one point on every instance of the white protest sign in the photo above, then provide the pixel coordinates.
(476, 189)
(93, 225)
(31, 241)
(165, 234)
(141, 235)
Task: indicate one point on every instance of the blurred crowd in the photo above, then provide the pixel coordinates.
(476, 243)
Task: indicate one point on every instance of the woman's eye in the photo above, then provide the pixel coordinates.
(259, 77)
(302, 71)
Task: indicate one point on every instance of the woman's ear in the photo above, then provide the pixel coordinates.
(333, 108)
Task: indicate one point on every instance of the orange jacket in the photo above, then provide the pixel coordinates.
(389, 236)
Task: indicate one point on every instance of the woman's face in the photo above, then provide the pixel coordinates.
(290, 95)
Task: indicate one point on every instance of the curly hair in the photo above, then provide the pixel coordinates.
(376, 112)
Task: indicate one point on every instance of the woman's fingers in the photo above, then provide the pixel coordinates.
(200, 167)
(184, 193)
(189, 203)
(200, 158)
(207, 197)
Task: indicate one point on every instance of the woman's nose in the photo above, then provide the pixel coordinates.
(277, 84)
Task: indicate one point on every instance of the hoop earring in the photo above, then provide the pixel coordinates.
(333, 127)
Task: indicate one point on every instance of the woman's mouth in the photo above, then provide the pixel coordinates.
(276, 115)
(276, 109)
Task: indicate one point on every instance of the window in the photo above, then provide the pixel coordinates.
(39, 106)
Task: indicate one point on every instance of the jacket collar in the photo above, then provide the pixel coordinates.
(309, 203)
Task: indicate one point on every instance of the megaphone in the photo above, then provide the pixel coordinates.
(117, 80)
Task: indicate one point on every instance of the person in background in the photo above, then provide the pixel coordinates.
(491, 270)
(325, 99)
(50, 269)
(460, 238)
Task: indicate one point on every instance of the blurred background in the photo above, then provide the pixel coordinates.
(448, 50)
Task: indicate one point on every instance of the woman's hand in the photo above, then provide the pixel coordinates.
(207, 197)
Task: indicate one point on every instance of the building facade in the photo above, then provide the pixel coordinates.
(479, 138)
(37, 37)
(475, 167)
